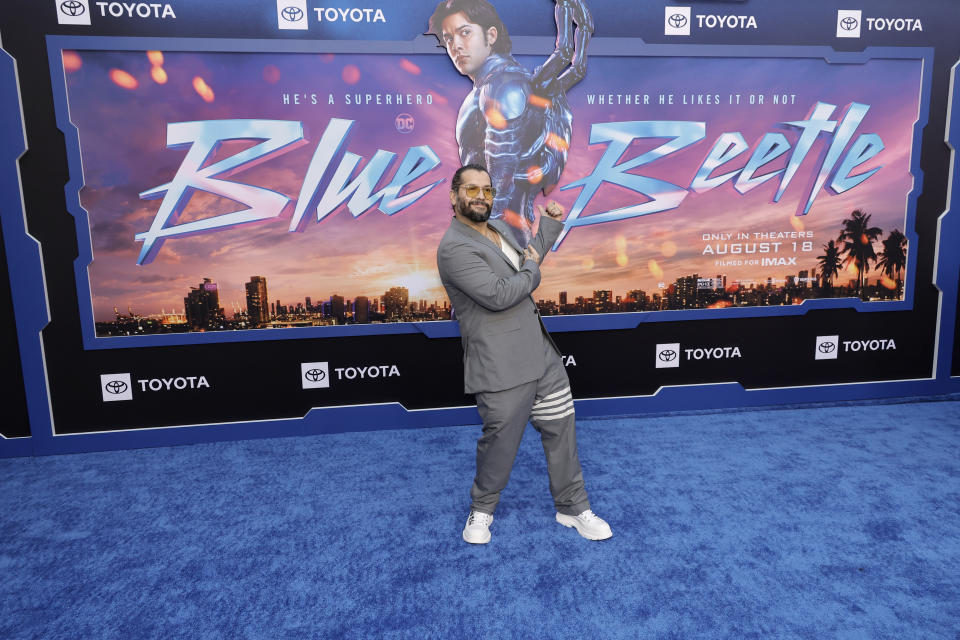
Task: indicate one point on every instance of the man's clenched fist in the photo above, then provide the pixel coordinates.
(553, 210)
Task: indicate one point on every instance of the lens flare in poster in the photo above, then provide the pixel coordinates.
(253, 190)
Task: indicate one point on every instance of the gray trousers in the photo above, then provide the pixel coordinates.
(548, 404)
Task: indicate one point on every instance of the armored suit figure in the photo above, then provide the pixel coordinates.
(514, 123)
(521, 137)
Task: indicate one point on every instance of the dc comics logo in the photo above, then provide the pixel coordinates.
(404, 123)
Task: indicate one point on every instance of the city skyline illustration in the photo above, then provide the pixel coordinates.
(122, 122)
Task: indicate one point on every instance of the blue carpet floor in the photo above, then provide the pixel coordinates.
(831, 522)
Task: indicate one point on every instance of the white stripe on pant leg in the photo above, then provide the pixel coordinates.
(553, 403)
(554, 409)
(564, 414)
(551, 413)
(555, 394)
(553, 397)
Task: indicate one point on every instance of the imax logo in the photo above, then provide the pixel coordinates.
(292, 14)
(72, 11)
(116, 386)
(315, 375)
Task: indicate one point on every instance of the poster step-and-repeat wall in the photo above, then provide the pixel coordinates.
(220, 219)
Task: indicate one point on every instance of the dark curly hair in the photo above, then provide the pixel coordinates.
(478, 12)
(457, 179)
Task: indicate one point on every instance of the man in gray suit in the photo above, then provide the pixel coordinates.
(509, 360)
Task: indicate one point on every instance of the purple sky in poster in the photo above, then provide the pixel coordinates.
(123, 146)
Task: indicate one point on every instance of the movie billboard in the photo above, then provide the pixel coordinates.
(225, 215)
(235, 191)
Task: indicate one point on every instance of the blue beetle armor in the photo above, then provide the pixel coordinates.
(518, 124)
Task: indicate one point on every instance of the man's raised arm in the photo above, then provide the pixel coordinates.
(469, 272)
(550, 228)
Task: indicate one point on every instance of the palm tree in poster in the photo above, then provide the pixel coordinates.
(858, 237)
(893, 258)
(829, 264)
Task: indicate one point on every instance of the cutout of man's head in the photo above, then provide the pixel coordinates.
(470, 30)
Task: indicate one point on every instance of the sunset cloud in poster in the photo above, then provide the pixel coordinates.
(122, 108)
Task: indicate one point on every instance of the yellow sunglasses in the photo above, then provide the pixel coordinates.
(473, 191)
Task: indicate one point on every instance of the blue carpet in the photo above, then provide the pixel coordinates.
(831, 522)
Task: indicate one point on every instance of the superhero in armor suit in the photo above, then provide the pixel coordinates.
(514, 123)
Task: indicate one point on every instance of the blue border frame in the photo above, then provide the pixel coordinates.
(23, 252)
(29, 293)
(374, 417)
(947, 265)
(522, 46)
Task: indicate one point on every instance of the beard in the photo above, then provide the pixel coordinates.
(468, 209)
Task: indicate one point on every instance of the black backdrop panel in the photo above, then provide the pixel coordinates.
(656, 301)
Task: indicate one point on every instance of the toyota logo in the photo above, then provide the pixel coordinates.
(315, 375)
(667, 355)
(116, 387)
(292, 14)
(72, 8)
(848, 24)
(677, 21)
(827, 347)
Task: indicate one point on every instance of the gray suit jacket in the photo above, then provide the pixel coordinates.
(500, 326)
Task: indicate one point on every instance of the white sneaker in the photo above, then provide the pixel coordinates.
(588, 524)
(477, 529)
